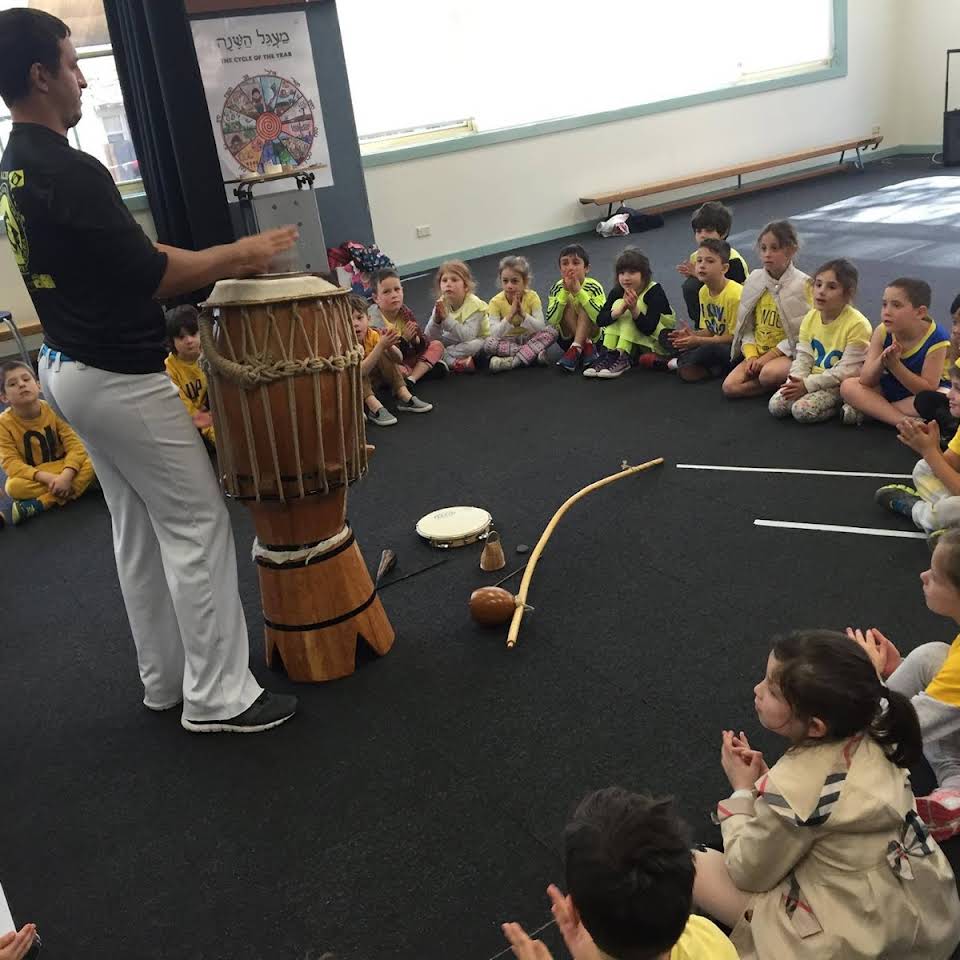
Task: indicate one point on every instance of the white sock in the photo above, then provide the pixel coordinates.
(672, 364)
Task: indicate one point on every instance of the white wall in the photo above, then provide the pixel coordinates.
(13, 293)
(927, 29)
(524, 187)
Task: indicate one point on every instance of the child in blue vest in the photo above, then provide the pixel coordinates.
(907, 355)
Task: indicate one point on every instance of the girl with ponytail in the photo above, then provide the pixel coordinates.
(824, 855)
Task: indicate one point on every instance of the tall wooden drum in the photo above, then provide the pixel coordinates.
(287, 403)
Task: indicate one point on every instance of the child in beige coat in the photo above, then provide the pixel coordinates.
(824, 855)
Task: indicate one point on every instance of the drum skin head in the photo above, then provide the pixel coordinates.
(270, 289)
(454, 526)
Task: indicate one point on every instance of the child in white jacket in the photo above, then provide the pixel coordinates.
(774, 301)
(459, 318)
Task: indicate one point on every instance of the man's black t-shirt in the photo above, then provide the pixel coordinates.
(90, 269)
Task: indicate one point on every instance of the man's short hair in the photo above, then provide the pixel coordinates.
(8, 367)
(630, 872)
(27, 37)
(182, 318)
(720, 247)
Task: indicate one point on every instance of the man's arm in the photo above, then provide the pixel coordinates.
(190, 270)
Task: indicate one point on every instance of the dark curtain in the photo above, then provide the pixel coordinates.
(167, 111)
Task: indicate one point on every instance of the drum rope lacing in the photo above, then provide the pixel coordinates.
(259, 369)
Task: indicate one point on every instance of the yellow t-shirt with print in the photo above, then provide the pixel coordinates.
(767, 327)
(719, 314)
(701, 940)
(945, 686)
(191, 381)
(829, 340)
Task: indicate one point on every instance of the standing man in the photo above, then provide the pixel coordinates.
(95, 279)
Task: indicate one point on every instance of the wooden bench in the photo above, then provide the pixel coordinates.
(650, 189)
(9, 331)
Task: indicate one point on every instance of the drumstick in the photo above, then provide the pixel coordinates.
(414, 573)
(521, 599)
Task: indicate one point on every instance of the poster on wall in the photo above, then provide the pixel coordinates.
(261, 89)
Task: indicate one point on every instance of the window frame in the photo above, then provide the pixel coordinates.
(398, 149)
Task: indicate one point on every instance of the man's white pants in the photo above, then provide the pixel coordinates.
(171, 536)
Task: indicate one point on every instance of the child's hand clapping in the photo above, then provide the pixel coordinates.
(884, 656)
(752, 368)
(742, 765)
(685, 269)
(793, 389)
(630, 298)
(923, 438)
(410, 331)
(440, 310)
(891, 355)
(683, 339)
(202, 419)
(571, 284)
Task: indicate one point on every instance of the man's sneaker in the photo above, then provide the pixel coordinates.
(413, 405)
(501, 364)
(941, 813)
(589, 354)
(651, 361)
(269, 710)
(464, 365)
(382, 418)
(25, 509)
(852, 417)
(616, 367)
(898, 497)
(570, 360)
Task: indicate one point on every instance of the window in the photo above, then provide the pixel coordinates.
(460, 66)
(103, 130)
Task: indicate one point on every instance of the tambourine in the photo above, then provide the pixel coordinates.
(454, 526)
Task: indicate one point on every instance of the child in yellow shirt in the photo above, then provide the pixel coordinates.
(45, 462)
(705, 352)
(831, 347)
(381, 366)
(630, 876)
(184, 370)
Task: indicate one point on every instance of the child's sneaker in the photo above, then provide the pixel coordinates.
(571, 359)
(852, 417)
(941, 813)
(651, 361)
(599, 362)
(413, 405)
(24, 510)
(542, 359)
(619, 365)
(672, 364)
(589, 354)
(464, 365)
(501, 364)
(898, 498)
(382, 418)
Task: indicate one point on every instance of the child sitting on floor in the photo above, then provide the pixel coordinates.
(184, 369)
(824, 855)
(831, 347)
(381, 367)
(45, 462)
(630, 875)
(933, 404)
(908, 353)
(636, 317)
(933, 502)
(519, 336)
(573, 307)
(930, 676)
(459, 318)
(775, 299)
(706, 352)
(420, 356)
(711, 221)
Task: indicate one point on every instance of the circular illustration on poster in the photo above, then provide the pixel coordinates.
(267, 120)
